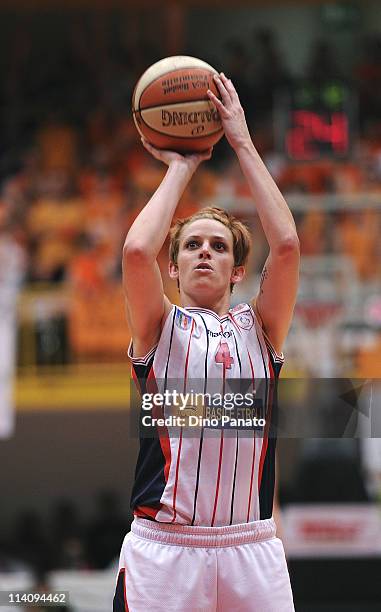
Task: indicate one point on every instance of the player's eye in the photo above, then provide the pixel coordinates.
(191, 244)
(220, 246)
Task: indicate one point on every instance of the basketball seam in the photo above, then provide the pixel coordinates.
(139, 110)
(158, 78)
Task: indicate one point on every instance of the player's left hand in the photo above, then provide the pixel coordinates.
(191, 161)
(231, 112)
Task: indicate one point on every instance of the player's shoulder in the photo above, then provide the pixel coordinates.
(240, 308)
(183, 318)
(176, 317)
(244, 316)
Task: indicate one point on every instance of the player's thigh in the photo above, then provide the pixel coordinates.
(161, 577)
(254, 577)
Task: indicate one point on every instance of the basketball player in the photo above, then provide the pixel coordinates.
(203, 537)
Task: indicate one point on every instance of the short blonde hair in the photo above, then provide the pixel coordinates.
(240, 233)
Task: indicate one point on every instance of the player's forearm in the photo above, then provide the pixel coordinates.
(276, 218)
(150, 229)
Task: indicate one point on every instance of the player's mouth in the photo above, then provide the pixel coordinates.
(204, 267)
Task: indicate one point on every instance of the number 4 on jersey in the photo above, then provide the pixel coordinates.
(223, 355)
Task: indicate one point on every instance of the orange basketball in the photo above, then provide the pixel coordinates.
(171, 108)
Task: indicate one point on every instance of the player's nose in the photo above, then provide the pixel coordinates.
(205, 250)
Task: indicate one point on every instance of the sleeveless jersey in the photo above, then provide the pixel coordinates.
(211, 477)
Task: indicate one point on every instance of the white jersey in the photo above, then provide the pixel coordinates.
(208, 476)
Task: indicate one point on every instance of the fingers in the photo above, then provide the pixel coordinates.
(163, 155)
(229, 87)
(156, 153)
(217, 103)
(208, 153)
(168, 156)
(151, 148)
(148, 146)
(222, 89)
(203, 155)
(228, 94)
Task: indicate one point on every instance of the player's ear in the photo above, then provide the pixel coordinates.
(173, 270)
(237, 274)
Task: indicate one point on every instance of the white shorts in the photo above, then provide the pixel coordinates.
(175, 568)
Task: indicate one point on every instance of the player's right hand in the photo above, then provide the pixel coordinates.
(168, 157)
(231, 112)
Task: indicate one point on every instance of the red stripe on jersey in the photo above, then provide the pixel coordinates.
(135, 379)
(177, 475)
(221, 449)
(254, 442)
(162, 430)
(268, 419)
(151, 382)
(122, 574)
(251, 479)
(223, 389)
(234, 323)
(187, 357)
(252, 370)
(181, 432)
(218, 478)
(144, 511)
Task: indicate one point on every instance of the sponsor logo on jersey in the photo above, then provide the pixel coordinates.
(245, 320)
(224, 334)
(182, 320)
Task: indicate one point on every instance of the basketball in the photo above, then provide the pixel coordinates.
(171, 108)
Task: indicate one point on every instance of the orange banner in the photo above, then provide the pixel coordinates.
(97, 323)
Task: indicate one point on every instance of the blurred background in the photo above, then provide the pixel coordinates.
(73, 176)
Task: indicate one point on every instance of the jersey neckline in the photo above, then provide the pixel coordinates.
(225, 316)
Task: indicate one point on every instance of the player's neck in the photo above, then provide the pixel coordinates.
(219, 306)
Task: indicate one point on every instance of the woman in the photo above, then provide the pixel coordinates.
(203, 537)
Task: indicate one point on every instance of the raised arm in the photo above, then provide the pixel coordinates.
(279, 282)
(147, 306)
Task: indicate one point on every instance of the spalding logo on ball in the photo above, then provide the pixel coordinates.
(171, 108)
